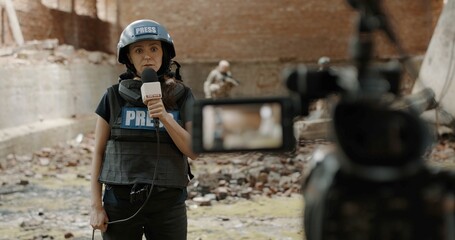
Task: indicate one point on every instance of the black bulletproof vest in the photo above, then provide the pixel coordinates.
(131, 154)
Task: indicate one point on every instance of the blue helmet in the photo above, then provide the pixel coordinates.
(145, 29)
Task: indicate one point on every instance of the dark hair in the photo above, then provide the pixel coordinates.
(165, 62)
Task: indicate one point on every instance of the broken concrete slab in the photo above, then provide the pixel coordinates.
(438, 67)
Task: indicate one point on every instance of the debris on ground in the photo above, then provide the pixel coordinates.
(220, 179)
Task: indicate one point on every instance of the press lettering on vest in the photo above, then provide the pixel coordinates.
(138, 118)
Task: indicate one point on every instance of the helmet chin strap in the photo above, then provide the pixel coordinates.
(126, 75)
(177, 70)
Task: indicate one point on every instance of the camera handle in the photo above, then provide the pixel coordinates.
(369, 129)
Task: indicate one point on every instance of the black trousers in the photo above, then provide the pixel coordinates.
(163, 216)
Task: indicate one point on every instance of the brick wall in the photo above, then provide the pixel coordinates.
(250, 34)
(34, 21)
(80, 28)
(261, 37)
(277, 30)
(253, 30)
(84, 32)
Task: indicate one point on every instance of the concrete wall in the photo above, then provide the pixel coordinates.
(48, 103)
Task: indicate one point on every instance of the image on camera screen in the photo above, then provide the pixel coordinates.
(242, 126)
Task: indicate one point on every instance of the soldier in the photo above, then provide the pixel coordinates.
(220, 82)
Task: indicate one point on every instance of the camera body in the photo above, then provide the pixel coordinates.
(343, 205)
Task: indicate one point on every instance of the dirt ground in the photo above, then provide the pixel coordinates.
(40, 199)
(57, 207)
(45, 197)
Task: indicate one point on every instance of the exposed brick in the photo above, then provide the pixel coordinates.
(274, 30)
(235, 29)
(259, 37)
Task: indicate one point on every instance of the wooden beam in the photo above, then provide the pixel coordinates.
(14, 22)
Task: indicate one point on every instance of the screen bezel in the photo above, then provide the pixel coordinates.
(286, 115)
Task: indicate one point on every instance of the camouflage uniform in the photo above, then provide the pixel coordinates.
(219, 84)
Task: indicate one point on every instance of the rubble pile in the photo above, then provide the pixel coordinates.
(217, 176)
(16, 170)
(243, 175)
(51, 51)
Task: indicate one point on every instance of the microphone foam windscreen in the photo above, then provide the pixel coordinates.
(149, 75)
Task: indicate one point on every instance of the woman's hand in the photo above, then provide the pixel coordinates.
(155, 108)
(179, 135)
(99, 219)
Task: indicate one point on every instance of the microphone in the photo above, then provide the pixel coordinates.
(151, 88)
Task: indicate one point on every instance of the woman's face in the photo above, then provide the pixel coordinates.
(146, 54)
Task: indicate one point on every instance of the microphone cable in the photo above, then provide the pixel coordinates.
(156, 125)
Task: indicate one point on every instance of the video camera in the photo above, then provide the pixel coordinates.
(373, 183)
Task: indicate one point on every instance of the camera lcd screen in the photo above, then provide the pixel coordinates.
(242, 125)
